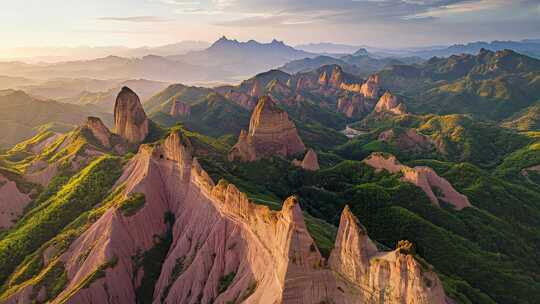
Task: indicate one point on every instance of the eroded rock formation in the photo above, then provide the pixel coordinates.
(180, 109)
(223, 248)
(389, 103)
(130, 120)
(370, 88)
(435, 187)
(12, 202)
(99, 131)
(271, 133)
(310, 161)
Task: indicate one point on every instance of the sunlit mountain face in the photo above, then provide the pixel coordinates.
(341, 152)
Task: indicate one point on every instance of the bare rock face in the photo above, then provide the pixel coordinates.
(409, 140)
(12, 202)
(99, 131)
(130, 120)
(223, 248)
(310, 161)
(435, 187)
(353, 248)
(271, 133)
(390, 104)
(257, 90)
(242, 99)
(180, 109)
(370, 88)
(354, 105)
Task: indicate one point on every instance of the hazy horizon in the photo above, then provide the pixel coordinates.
(377, 23)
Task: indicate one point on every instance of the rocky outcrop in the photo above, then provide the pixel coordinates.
(242, 99)
(408, 140)
(354, 105)
(12, 202)
(389, 103)
(257, 90)
(435, 187)
(180, 109)
(353, 249)
(310, 161)
(130, 120)
(271, 133)
(371, 88)
(387, 277)
(99, 131)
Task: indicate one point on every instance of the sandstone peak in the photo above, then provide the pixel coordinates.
(353, 248)
(371, 87)
(310, 161)
(435, 187)
(99, 131)
(271, 133)
(391, 104)
(130, 120)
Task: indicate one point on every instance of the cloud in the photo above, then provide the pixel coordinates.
(134, 19)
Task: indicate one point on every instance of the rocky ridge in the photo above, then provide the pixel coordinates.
(435, 187)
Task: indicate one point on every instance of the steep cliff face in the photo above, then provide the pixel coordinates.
(180, 109)
(130, 120)
(271, 133)
(354, 105)
(310, 161)
(219, 247)
(12, 202)
(242, 99)
(371, 88)
(390, 104)
(435, 187)
(382, 277)
(99, 131)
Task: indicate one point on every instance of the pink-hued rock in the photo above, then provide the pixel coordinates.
(390, 104)
(310, 161)
(268, 256)
(371, 88)
(180, 109)
(257, 90)
(12, 202)
(401, 278)
(409, 140)
(271, 133)
(353, 249)
(354, 105)
(39, 147)
(242, 99)
(130, 121)
(423, 177)
(99, 130)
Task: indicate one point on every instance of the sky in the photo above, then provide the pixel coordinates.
(380, 23)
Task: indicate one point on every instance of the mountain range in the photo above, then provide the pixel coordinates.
(355, 179)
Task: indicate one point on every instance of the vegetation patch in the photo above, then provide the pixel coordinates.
(83, 191)
(131, 205)
(225, 281)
